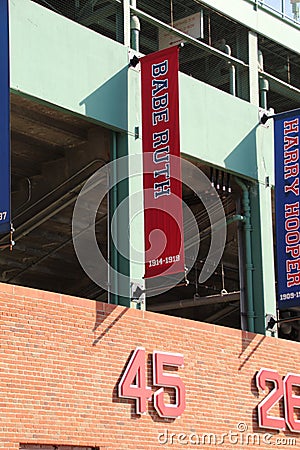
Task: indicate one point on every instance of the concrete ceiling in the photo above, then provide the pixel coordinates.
(53, 154)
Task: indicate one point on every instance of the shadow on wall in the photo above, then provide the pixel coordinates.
(103, 325)
(247, 339)
(102, 313)
(244, 155)
(108, 103)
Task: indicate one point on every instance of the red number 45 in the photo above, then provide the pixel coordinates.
(133, 383)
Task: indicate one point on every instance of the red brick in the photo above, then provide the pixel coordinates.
(63, 357)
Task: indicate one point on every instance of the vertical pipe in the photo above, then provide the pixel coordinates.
(108, 239)
(263, 83)
(288, 64)
(172, 13)
(135, 28)
(264, 87)
(283, 8)
(232, 77)
(241, 251)
(248, 249)
(209, 29)
(113, 207)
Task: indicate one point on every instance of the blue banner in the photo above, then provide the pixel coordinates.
(287, 207)
(5, 213)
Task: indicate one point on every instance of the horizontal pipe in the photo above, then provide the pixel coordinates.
(196, 301)
(235, 218)
(224, 312)
(292, 89)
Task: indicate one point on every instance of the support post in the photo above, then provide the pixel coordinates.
(119, 262)
(263, 257)
(253, 68)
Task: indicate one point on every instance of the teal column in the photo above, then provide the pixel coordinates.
(262, 233)
(264, 296)
(118, 193)
(136, 198)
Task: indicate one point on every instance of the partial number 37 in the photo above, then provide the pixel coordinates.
(133, 383)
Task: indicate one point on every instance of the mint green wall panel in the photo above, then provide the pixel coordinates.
(223, 130)
(60, 62)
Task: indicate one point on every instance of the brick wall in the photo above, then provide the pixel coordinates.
(62, 358)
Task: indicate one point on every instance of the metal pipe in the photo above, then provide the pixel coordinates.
(235, 218)
(263, 82)
(135, 28)
(239, 218)
(263, 88)
(196, 301)
(113, 231)
(232, 80)
(241, 254)
(283, 8)
(232, 76)
(219, 315)
(249, 261)
(29, 190)
(108, 241)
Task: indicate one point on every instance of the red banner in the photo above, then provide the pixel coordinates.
(162, 169)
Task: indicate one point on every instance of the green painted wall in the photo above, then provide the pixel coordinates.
(63, 63)
(223, 130)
